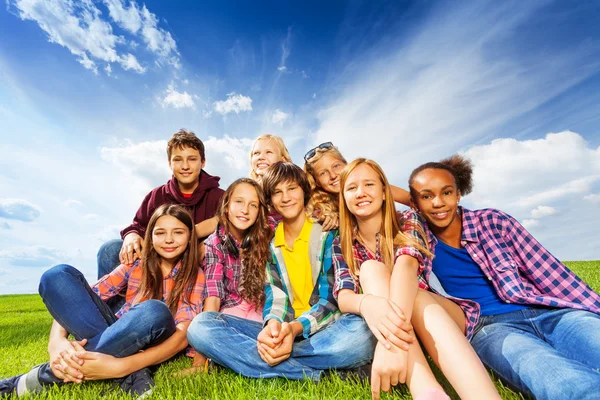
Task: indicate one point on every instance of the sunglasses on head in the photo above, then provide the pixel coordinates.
(311, 153)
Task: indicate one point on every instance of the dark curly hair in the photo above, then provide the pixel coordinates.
(460, 167)
(255, 251)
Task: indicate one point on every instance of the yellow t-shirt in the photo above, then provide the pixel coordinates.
(297, 263)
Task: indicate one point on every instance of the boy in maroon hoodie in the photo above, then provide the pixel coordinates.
(190, 186)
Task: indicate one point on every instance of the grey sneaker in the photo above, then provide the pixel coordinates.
(139, 384)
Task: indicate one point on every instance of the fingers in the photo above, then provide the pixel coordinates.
(395, 335)
(274, 328)
(402, 375)
(270, 356)
(375, 385)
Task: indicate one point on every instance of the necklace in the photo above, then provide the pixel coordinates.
(373, 250)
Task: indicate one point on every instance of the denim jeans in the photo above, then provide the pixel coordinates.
(108, 260)
(550, 353)
(79, 310)
(231, 341)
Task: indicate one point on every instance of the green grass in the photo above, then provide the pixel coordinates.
(25, 324)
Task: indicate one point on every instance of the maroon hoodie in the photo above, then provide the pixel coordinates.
(203, 203)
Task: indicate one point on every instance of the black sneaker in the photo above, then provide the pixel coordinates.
(8, 386)
(139, 384)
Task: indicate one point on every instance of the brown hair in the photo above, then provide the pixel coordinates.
(278, 141)
(324, 203)
(152, 278)
(182, 139)
(460, 167)
(256, 254)
(285, 172)
(392, 235)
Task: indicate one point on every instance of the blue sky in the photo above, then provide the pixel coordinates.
(91, 90)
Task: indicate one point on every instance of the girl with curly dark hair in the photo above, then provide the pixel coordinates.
(237, 254)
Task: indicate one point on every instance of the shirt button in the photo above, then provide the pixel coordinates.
(475, 255)
(489, 278)
(507, 301)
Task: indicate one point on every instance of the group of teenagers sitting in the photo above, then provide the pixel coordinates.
(308, 271)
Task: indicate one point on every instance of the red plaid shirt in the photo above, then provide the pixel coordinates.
(131, 276)
(343, 276)
(520, 268)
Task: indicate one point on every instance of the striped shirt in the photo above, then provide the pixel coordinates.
(520, 268)
(279, 293)
(344, 279)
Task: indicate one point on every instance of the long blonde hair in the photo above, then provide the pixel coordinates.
(391, 236)
(285, 154)
(324, 203)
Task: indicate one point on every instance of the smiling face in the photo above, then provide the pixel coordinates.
(327, 172)
(363, 192)
(436, 197)
(170, 238)
(186, 165)
(242, 210)
(264, 154)
(288, 200)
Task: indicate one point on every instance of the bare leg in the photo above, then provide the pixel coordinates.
(375, 279)
(443, 337)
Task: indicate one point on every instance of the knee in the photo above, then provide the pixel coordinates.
(54, 278)
(372, 270)
(198, 332)
(155, 309)
(109, 247)
(357, 333)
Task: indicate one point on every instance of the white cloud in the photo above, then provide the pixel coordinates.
(19, 209)
(594, 198)
(282, 68)
(145, 160)
(526, 173)
(530, 223)
(73, 203)
(176, 99)
(279, 117)
(543, 211)
(5, 225)
(33, 256)
(141, 21)
(235, 103)
(108, 69)
(128, 18)
(78, 26)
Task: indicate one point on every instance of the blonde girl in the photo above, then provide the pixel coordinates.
(384, 250)
(266, 150)
(323, 166)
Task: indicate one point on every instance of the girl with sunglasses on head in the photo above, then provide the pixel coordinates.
(164, 290)
(384, 252)
(323, 165)
(236, 256)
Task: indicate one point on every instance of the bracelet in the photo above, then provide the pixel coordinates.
(361, 301)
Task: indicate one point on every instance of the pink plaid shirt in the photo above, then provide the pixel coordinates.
(520, 268)
(222, 269)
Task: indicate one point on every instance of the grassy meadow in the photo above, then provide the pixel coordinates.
(25, 323)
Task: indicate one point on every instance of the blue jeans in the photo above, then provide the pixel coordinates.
(231, 341)
(550, 353)
(108, 260)
(75, 306)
